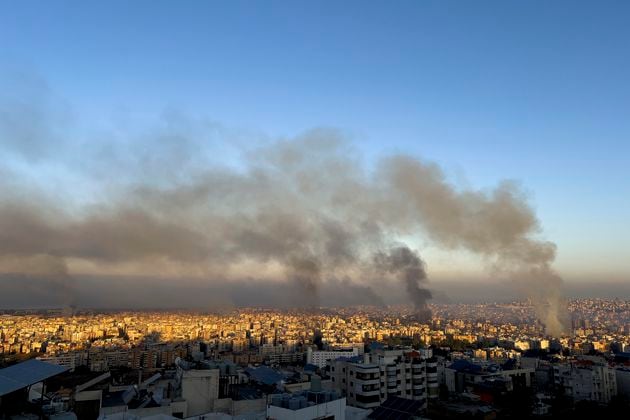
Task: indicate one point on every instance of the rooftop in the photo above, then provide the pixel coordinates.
(26, 374)
(396, 408)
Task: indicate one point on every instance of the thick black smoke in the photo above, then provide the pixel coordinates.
(409, 268)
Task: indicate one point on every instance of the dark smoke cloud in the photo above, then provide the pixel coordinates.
(407, 265)
(143, 292)
(305, 272)
(39, 278)
(303, 212)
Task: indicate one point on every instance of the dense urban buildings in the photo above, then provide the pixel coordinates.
(478, 360)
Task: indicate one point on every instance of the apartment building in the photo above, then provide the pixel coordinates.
(586, 380)
(320, 357)
(368, 381)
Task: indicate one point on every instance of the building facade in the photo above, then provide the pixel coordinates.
(586, 381)
(320, 357)
(369, 382)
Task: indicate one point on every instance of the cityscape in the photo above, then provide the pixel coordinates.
(314, 210)
(477, 360)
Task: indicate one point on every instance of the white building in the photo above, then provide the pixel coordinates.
(71, 360)
(586, 381)
(320, 357)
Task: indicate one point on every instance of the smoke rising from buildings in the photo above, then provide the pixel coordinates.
(303, 214)
(499, 225)
(407, 265)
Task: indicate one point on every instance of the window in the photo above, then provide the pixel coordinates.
(368, 398)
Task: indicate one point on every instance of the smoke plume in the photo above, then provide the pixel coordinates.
(408, 266)
(498, 225)
(298, 213)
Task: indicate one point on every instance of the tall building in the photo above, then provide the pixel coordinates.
(367, 382)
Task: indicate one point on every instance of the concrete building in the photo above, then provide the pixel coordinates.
(586, 380)
(433, 383)
(462, 376)
(200, 389)
(320, 357)
(69, 360)
(368, 382)
(622, 376)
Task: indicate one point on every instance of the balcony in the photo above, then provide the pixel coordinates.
(374, 381)
(369, 393)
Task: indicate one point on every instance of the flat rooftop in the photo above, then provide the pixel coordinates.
(26, 374)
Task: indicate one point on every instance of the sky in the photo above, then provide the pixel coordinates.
(537, 92)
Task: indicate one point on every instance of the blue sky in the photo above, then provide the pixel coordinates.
(535, 91)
